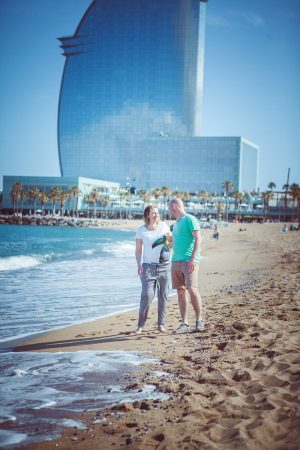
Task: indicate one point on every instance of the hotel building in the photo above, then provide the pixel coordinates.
(131, 96)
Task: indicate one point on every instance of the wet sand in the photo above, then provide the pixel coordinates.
(233, 386)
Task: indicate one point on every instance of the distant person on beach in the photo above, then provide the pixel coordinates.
(153, 257)
(185, 264)
(216, 233)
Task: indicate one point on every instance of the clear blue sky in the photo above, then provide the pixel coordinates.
(251, 84)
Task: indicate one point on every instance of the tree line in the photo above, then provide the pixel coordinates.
(59, 196)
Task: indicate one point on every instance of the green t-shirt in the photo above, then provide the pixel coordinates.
(183, 240)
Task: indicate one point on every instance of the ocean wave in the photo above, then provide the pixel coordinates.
(122, 248)
(8, 437)
(18, 262)
(88, 251)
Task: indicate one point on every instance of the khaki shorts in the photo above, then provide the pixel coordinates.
(181, 277)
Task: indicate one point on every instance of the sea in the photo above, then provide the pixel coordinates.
(52, 277)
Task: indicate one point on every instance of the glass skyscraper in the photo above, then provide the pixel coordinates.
(132, 86)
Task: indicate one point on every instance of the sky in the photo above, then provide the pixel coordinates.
(251, 81)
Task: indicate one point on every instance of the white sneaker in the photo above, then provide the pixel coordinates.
(199, 325)
(183, 328)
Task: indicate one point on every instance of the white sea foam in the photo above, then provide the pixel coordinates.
(18, 262)
(125, 248)
(46, 404)
(88, 251)
(19, 373)
(73, 423)
(11, 437)
(7, 418)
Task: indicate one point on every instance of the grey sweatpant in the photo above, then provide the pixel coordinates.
(154, 276)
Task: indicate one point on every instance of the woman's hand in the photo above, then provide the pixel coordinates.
(140, 270)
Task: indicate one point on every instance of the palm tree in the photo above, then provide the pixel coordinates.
(205, 197)
(219, 208)
(62, 198)
(144, 195)
(123, 193)
(271, 185)
(87, 200)
(285, 187)
(74, 193)
(238, 197)
(267, 196)
(176, 193)
(34, 193)
(165, 192)
(95, 197)
(105, 201)
(228, 186)
(54, 196)
(202, 195)
(23, 196)
(295, 191)
(183, 195)
(43, 198)
(16, 195)
(156, 193)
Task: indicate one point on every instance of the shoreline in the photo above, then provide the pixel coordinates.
(235, 385)
(77, 222)
(214, 286)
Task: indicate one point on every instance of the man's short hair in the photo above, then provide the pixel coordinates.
(176, 201)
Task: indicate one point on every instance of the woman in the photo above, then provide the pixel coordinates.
(153, 257)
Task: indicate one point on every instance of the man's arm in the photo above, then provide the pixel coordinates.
(196, 250)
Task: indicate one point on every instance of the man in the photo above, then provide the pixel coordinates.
(185, 263)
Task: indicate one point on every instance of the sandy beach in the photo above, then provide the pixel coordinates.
(233, 386)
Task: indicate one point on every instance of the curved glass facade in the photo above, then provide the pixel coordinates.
(133, 72)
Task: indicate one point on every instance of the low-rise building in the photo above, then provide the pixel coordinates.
(38, 192)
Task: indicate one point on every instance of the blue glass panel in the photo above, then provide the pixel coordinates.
(130, 74)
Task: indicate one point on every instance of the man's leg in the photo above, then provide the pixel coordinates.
(183, 304)
(196, 302)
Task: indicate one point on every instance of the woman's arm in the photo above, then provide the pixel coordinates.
(138, 254)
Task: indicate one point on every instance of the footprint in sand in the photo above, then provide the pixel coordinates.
(257, 423)
(241, 375)
(273, 381)
(221, 345)
(218, 433)
(259, 365)
(252, 389)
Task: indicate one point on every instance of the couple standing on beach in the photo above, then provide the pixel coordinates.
(153, 257)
